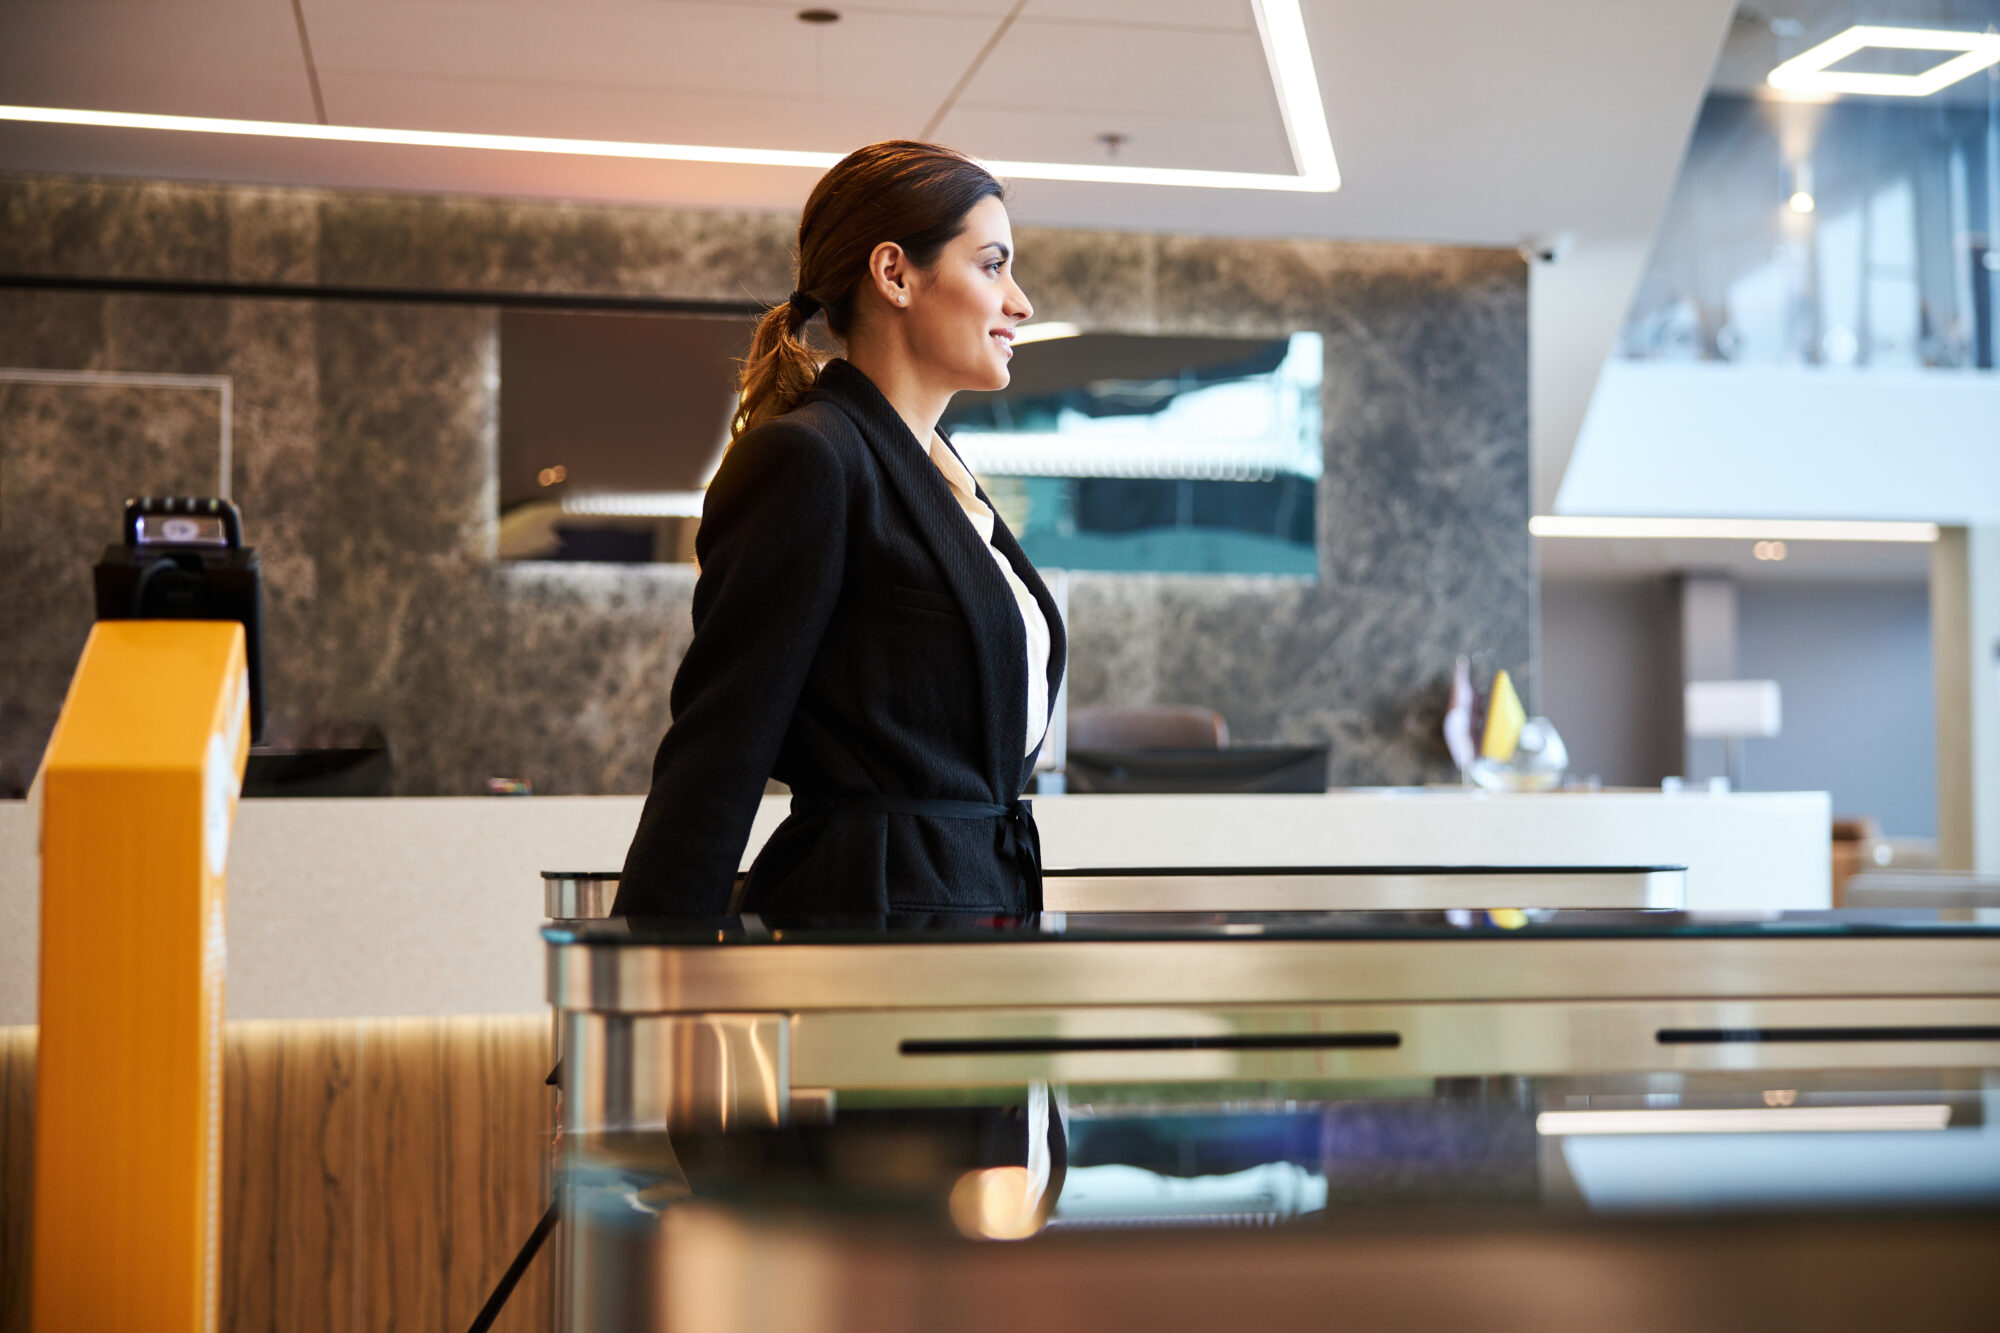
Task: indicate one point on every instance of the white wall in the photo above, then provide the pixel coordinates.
(1610, 676)
(1672, 438)
(1854, 663)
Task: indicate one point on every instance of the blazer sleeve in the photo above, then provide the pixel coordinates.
(772, 549)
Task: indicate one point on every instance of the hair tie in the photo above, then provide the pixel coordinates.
(804, 305)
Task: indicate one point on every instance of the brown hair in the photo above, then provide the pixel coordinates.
(914, 194)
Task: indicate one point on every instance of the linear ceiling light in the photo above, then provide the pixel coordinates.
(1746, 1120)
(1734, 529)
(637, 504)
(1278, 21)
(1045, 332)
(1808, 71)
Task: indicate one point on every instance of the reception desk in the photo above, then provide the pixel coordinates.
(395, 907)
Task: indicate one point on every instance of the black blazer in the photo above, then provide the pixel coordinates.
(852, 638)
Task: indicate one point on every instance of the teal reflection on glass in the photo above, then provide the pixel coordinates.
(1161, 454)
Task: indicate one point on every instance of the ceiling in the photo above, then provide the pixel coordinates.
(1767, 32)
(1482, 122)
(1470, 121)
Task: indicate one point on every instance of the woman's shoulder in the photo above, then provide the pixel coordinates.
(815, 424)
(813, 443)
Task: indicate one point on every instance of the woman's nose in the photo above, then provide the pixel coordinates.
(1018, 305)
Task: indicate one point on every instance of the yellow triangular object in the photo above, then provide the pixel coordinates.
(1504, 716)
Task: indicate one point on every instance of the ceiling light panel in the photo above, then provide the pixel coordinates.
(1959, 54)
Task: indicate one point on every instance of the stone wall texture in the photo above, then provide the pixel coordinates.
(364, 456)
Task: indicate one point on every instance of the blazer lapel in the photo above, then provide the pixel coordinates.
(961, 557)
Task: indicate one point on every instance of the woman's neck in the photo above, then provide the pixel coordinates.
(893, 371)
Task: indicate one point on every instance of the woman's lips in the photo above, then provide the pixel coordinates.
(1005, 337)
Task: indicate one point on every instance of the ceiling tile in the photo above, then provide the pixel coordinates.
(652, 44)
(1022, 134)
(1226, 15)
(1097, 68)
(200, 58)
(729, 118)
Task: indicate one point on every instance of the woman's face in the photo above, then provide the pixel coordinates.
(962, 312)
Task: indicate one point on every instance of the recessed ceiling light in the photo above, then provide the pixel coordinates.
(1279, 21)
(819, 16)
(1809, 72)
(1734, 529)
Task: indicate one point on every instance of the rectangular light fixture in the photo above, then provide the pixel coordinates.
(1746, 1120)
(638, 504)
(1734, 529)
(1279, 22)
(1809, 72)
(1041, 333)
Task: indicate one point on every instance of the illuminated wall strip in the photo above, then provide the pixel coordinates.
(1746, 1120)
(1808, 71)
(1279, 21)
(1734, 529)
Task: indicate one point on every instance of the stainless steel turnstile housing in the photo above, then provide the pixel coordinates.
(691, 1034)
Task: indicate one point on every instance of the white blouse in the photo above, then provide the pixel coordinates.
(966, 493)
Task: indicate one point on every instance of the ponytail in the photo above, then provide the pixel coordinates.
(915, 194)
(780, 369)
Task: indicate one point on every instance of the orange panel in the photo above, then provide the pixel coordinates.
(139, 794)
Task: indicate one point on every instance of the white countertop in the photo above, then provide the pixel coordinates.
(377, 907)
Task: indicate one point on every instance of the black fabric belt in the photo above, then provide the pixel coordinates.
(1019, 838)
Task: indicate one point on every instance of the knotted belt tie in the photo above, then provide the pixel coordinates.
(1019, 838)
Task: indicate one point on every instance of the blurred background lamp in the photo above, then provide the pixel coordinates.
(1731, 711)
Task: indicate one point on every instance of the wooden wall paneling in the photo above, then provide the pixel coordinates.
(454, 1127)
(291, 1159)
(500, 1111)
(17, 1171)
(378, 1175)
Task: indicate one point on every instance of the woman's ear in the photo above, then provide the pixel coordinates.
(889, 271)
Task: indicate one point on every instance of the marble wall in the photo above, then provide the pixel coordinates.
(364, 457)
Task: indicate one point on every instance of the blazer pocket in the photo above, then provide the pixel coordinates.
(923, 599)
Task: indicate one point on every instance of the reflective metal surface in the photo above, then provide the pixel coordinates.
(578, 896)
(975, 1047)
(623, 1072)
(1664, 1201)
(636, 978)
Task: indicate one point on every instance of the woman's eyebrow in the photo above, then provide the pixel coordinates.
(1001, 246)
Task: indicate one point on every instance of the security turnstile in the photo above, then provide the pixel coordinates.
(720, 1081)
(752, 1023)
(587, 895)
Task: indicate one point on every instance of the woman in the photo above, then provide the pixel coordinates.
(866, 628)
